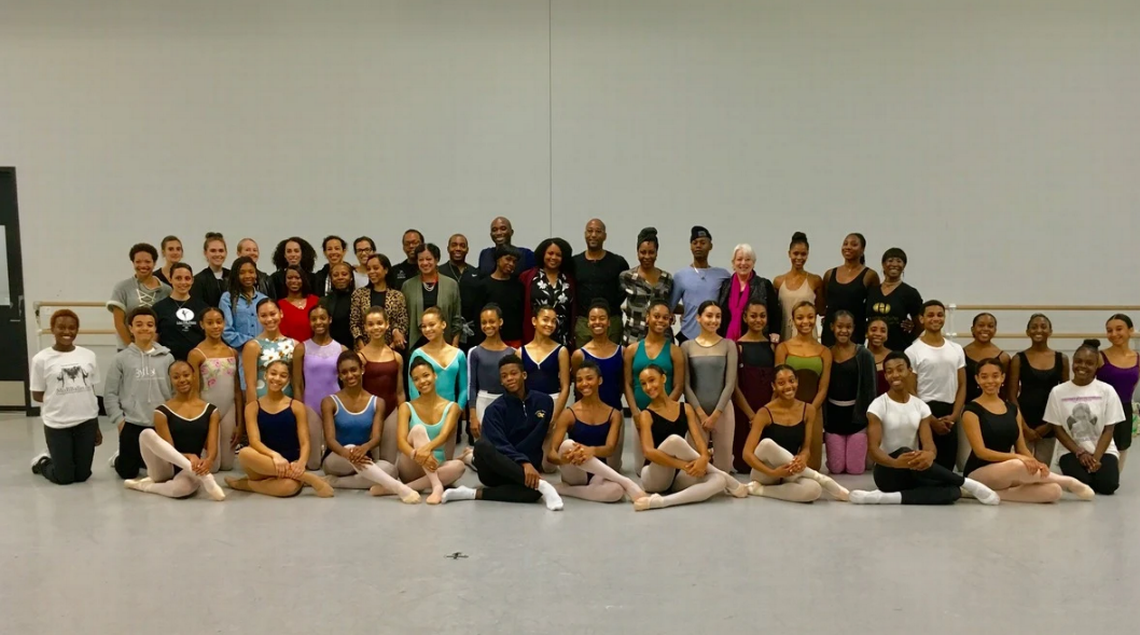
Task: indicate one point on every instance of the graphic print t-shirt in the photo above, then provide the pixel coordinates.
(177, 325)
(68, 382)
(1084, 411)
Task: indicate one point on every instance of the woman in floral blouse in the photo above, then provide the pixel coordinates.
(550, 283)
(643, 285)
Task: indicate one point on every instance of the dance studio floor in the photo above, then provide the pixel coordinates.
(95, 559)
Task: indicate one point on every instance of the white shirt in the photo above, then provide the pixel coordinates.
(68, 382)
(937, 369)
(900, 421)
(1084, 411)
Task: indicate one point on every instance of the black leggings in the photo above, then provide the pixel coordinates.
(1103, 481)
(1122, 433)
(129, 461)
(503, 479)
(935, 486)
(945, 444)
(72, 450)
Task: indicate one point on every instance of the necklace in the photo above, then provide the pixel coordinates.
(430, 287)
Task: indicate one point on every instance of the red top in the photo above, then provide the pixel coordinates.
(294, 321)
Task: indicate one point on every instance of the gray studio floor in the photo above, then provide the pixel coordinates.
(94, 559)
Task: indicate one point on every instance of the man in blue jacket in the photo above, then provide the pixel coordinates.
(510, 448)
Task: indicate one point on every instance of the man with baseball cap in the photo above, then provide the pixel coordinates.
(696, 283)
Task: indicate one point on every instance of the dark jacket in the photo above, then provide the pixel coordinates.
(517, 427)
(760, 290)
(209, 288)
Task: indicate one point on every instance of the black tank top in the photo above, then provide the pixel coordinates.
(663, 427)
(189, 435)
(999, 432)
(852, 297)
(791, 438)
(1035, 387)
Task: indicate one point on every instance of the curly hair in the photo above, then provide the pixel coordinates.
(567, 255)
(308, 254)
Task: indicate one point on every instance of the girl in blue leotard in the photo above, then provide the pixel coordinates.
(353, 423)
(448, 363)
(426, 435)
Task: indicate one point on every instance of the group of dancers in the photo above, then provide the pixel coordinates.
(300, 371)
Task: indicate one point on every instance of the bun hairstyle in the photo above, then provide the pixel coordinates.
(1091, 344)
(799, 238)
(991, 361)
(211, 237)
(649, 234)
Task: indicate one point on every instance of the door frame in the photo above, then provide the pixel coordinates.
(16, 285)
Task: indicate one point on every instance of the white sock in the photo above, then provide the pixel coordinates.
(985, 495)
(461, 493)
(875, 497)
(550, 496)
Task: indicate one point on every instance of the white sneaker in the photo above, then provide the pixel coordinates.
(111, 461)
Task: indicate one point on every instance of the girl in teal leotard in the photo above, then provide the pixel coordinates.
(426, 436)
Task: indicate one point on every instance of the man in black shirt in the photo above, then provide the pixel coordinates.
(598, 276)
(408, 269)
(503, 288)
(467, 276)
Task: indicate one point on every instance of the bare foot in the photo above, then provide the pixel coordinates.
(436, 497)
(240, 484)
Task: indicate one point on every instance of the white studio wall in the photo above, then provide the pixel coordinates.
(994, 140)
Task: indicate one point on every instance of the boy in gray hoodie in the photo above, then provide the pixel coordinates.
(137, 382)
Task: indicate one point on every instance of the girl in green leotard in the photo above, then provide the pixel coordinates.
(425, 435)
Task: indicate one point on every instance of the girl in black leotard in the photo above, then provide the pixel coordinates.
(778, 444)
(1032, 374)
(672, 464)
(179, 450)
(845, 288)
(983, 329)
(999, 458)
(585, 434)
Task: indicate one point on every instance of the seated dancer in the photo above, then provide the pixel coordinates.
(508, 454)
(896, 422)
(672, 464)
(278, 429)
(584, 436)
(610, 360)
(778, 445)
(180, 449)
(999, 456)
(353, 421)
(426, 437)
(1085, 413)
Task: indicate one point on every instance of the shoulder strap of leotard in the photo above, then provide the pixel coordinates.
(803, 415)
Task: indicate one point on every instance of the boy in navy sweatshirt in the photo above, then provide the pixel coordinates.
(514, 428)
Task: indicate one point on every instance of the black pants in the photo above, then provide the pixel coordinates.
(1103, 481)
(945, 444)
(1122, 433)
(935, 486)
(502, 478)
(72, 450)
(129, 461)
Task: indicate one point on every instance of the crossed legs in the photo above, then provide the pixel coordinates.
(419, 479)
(686, 489)
(804, 487)
(161, 458)
(607, 486)
(1013, 482)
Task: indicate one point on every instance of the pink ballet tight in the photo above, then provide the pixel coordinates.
(607, 486)
(846, 453)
